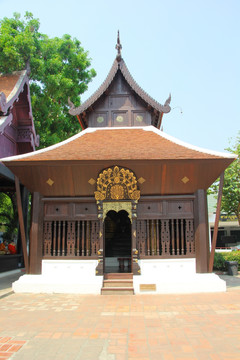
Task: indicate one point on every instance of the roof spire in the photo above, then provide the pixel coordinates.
(118, 48)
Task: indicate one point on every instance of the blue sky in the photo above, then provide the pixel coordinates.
(189, 48)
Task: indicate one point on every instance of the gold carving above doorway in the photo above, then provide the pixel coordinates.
(117, 183)
(117, 206)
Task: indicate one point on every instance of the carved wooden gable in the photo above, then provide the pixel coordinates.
(119, 107)
(120, 101)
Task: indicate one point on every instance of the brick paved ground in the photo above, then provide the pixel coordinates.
(140, 327)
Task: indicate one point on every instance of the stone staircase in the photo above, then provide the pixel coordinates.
(118, 284)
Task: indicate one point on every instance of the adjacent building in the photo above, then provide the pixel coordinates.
(17, 136)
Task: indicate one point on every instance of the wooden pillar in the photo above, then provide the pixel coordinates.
(21, 224)
(214, 241)
(25, 204)
(201, 231)
(36, 235)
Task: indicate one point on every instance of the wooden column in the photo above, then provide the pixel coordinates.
(21, 224)
(36, 235)
(201, 231)
(25, 202)
(215, 232)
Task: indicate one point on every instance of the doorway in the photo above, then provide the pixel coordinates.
(117, 235)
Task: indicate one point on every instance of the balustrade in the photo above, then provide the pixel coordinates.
(71, 238)
(165, 237)
(159, 238)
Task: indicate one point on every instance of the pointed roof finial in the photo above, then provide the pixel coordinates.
(118, 48)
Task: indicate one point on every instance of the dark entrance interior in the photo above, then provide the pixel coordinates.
(117, 229)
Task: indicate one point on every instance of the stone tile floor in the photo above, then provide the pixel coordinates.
(140, 327)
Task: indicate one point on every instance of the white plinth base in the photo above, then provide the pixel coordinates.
(62, 276)
(176, 276)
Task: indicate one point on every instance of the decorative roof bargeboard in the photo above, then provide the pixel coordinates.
(120, 65)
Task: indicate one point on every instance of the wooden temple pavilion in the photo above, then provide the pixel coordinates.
(121, 199)
(17, 136)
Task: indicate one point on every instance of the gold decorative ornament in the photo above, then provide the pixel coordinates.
(99, 195)
(141, 180)
(117, 183)
(119, 118)
(91, 181)
(139, 118)
(50, 182)
(185, 180)
(100, 119)
(117, 206)
(117, 192)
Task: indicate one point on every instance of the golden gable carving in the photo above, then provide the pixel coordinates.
(117, 184)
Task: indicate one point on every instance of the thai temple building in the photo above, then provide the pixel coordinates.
(121, 207)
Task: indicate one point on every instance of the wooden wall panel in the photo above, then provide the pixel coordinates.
(57, 210)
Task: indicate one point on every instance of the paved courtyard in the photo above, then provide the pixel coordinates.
(144, 327)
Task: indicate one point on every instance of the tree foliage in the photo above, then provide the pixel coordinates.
(231, 189)
(60, 67)
(8, 215)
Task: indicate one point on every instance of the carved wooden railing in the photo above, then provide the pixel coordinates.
(165, 237)
(71, 238)
(160, 238)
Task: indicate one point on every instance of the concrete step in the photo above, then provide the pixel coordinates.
(117, 283)
(117, 291)
(118, 276)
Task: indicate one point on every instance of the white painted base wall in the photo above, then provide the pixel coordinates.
(176, 276)
(62, 276)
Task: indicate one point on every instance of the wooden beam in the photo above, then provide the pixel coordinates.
(80, 122)
(215, 232)
(21, 223)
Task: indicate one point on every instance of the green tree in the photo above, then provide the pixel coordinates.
(231, 188)
(59, 68)
(8, 215)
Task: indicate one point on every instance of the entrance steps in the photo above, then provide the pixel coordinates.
(118, 284)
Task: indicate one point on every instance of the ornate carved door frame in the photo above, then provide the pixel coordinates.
(117, 190)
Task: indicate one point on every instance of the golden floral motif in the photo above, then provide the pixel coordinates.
(99, 195)
(117, 192)
(127, 188)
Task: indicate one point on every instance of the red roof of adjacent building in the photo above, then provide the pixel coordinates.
(10, 85)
